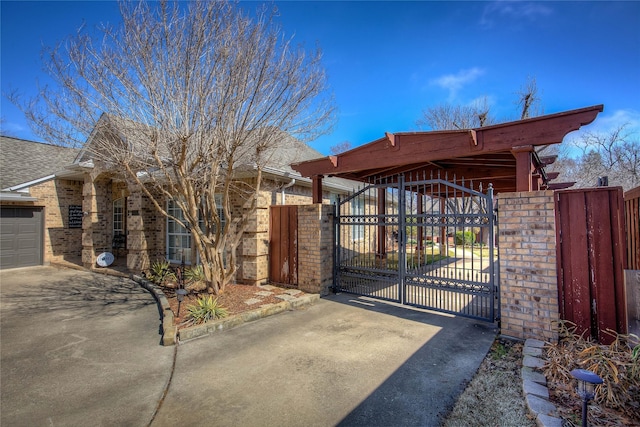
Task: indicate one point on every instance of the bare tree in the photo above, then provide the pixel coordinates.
(448, 116)
(181, 98)
(528, 100)
(478, 114)
(615, 154)
(340, 147)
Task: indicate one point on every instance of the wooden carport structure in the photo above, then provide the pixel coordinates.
(504, 155)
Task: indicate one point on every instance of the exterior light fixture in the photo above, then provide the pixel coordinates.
(587, 382)
(180, 293)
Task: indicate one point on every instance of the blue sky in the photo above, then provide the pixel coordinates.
(388, 61)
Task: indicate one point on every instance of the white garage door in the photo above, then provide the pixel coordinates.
(20, 237)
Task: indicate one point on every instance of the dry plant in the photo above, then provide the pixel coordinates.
(494, 396)
(618, 364)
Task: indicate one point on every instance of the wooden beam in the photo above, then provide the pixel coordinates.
(548, 160)
(316, 184)
(560, 185)
(399, 149)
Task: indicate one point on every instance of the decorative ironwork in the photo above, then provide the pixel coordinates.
(425, 242)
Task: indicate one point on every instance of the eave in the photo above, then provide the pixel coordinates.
(409, 148)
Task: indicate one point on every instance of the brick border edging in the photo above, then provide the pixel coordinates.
(171, 335)
(169, 328)
(534, 386)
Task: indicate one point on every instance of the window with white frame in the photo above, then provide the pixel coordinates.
(357, 208)
(118, 217)
(178, 237)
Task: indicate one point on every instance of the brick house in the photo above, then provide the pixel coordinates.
(84, 210)
(39, 203)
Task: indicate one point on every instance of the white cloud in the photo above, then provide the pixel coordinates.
(454, 82)
(513, 11)
(629, 118)
(607, 123)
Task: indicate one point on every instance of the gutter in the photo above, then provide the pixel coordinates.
(284, 187)
(304, 180)
(30, 183)
(16, 197)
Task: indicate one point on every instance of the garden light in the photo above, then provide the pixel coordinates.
(587, 382)
(180, 293)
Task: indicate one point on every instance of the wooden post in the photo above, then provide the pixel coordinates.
(523, 167)
(316, 184)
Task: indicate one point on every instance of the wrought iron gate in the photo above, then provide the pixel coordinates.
(427, 243)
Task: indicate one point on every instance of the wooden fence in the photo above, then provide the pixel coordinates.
(283, 245)
(591, 260)
(632, 218)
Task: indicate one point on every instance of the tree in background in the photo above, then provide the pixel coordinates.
(449, 116)
(529, 101)
(188, 94)
(614, 154)
(341, 147)
(478, 114)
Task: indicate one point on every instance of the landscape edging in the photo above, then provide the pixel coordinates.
(534, 386)
(171, 335)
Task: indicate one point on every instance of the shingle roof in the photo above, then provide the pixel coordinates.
(23, 161)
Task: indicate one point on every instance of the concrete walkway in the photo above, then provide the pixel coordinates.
(81, 349)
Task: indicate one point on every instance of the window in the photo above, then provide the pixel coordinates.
(118, 217)
(357, 209)
(118, 241)
(178, 237)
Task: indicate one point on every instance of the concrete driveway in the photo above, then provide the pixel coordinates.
(79, 348)
(343, 361)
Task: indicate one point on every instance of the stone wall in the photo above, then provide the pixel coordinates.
(528, 280)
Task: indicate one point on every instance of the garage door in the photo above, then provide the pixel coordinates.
(20, 237)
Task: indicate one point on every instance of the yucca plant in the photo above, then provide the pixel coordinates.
(160, 271)
(194, 274)
(194, 279)
(206, 308)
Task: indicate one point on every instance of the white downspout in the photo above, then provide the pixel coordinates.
(289, 185)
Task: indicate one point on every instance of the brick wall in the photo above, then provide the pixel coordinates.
(146, 232)
(315, 248)
(528, 280)
(55, 196)
(96, 230)
(253, 251)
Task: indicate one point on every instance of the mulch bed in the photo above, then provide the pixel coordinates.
(233, 299)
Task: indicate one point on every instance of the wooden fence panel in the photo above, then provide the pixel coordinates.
(283, 245)
(632, 218)
(591, 259)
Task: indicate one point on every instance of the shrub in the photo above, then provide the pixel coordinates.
(160, 272)
(465, 238)
(206, 308)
